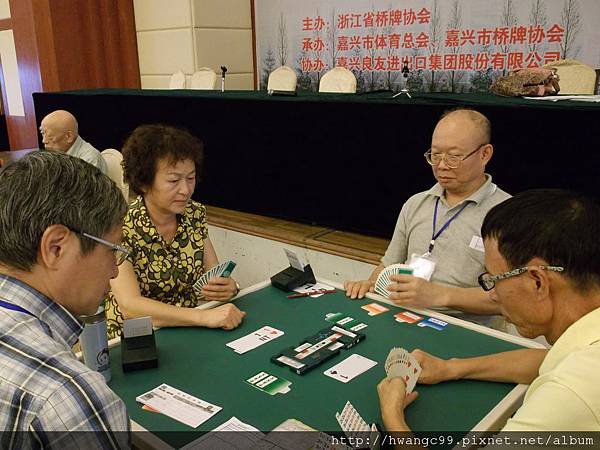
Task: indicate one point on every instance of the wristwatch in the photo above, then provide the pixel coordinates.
(237, 288)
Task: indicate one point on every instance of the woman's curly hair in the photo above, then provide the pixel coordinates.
(148, 144)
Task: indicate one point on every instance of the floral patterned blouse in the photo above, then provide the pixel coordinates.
(165, 271)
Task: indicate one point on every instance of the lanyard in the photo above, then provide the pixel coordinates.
(14, 307)
(435, 235)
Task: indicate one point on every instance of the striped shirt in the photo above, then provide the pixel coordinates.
(48, 399)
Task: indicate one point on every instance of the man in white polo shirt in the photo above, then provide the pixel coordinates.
(60, 132)
(441, 226)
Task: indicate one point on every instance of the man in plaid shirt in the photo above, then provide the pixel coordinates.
(53, 207)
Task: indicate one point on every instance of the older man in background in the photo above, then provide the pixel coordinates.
(60, 132)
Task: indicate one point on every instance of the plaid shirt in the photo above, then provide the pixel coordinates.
(48, 399)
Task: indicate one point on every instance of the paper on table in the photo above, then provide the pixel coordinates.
(281, 438)
(555, 98)
(178, 405)
(239, 435)
(309, 287)
(255, 339)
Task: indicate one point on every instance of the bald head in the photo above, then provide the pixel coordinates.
(59, 130)
(467, 122)
(464, 135)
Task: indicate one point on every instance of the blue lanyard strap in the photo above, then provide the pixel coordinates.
(435, 235)
(14, 307)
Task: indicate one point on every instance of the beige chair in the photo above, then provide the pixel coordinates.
(204, 78)
(575, 78)
(113, 160)
(338, 79)
(283, 79)
(177, 80)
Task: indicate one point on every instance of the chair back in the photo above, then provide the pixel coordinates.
(177, 80)
(338, 79)
(204, 78)
(113, 160)
(283, 78)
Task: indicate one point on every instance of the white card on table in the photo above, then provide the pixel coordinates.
(255, 339)
(313, 287)
(178, 405)
(142, 326)
(350, 368)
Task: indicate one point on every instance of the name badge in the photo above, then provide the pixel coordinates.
(423, 266)
(477, 243)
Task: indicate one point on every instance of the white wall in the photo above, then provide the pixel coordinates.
(10, 68)
(189, 34)
(258, 258)
(4, 9)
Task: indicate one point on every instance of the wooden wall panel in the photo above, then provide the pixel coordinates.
(95, 43)
(69, 44)
(22, 130)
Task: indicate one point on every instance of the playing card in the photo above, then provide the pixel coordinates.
(384, 280)
(358, 327)
(345, 321)
(334, 317)
(350, 420)
(407, 316)
(396, 354)
(221, 270)
(356, 428)
(434, 323)
(400, 363)
(269, 384)
(350, 368)
(374, 309)
(255, 339)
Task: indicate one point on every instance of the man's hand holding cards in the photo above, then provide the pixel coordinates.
(400, 363)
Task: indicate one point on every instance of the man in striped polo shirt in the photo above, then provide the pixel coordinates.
(53, 269)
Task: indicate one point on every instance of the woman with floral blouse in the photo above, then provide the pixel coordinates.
(167, 236)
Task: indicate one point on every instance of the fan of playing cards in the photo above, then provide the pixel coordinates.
(383, 280)
(400, 363)
(222, 270)
(354, 426)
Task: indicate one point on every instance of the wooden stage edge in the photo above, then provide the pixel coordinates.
(354, 246)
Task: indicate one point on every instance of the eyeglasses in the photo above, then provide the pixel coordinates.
(121, 253)
(452, 161)
(488, 282)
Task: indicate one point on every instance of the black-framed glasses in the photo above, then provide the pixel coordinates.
(488, 282)
(121, 253)
(452, 161)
